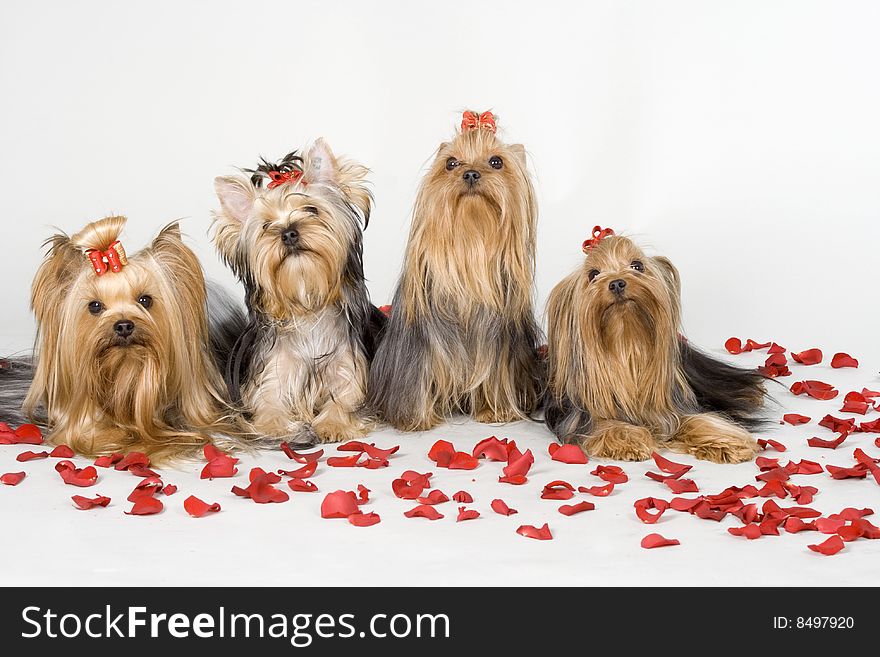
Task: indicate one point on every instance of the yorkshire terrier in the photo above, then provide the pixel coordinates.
(462, 337)
(292, 233)
(622, 379)
(123, 360)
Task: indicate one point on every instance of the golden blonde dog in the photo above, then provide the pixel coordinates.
(623, 382)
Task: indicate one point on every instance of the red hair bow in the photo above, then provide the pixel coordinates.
(599, 234)
(282, 177)
(470, 121)
(113, 258)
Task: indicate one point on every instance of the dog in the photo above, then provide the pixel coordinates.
(462, 336)
(292, 233)
(123, 359)
(623, 381)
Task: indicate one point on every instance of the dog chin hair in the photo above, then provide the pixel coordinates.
(462, 336)
(622, 379)
(132, 369)
(299, 368)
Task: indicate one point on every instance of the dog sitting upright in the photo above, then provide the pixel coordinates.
(292, 234)
(623, 381)
(462, 337)
(123, 358)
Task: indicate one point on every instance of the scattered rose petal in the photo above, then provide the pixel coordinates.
(571, 509)
(107, 461)
(340, 504)
(304, 472)
(808, 357)
(734, 345)
(466, 514)
(491, 448)
(679, 486)
(436, 496)
(643, 506)
(670, 466)
(86, 503)
(833, 545)
(842, 359)
(829, 444)
(424, 511)
(27, 434)
(443, 453)
(571, 454)
(261, 489)
(170, 489)
(220, 464)
(145, 505)
(74, 476)
(197, 508)
(611, 473)
(855, 402)
(463, 497)
(795, 419)
(132, 459)
(750, 531)
(410, 485)
(363, 494)
(837, 424)
(344, 461)
(764, 444)
(31, 456)
(540, 533)
(656, 540)
(12, 478)
(361, 519)
(598, 491)
(856, 472)
(62, 452)
(557, 490)
(302, 486)
(300, 457)
(815, 389)
(501, 508)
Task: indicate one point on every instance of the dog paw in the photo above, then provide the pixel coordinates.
(488, 416)
(725, 451)
(338, 432)
(622, 442)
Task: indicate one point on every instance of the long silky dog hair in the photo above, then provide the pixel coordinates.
(123, 358)
(622, 379)
(292, 233)
(462, 337)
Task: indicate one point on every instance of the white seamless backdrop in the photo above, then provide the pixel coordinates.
(740, 139)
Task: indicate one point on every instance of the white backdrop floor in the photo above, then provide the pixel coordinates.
(47, 541)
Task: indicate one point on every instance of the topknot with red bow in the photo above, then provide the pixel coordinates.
(288, 170)
(598, 235)
(473, 121)
(112, 259)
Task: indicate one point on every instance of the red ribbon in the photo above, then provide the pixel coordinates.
(470, 121)
(599, 234)
(282, 177)
(113, 259)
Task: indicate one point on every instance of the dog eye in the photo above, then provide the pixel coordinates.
(637, 265)
(311, 209)
(95, 307)
(496, 162)
(451, 163)
(593, 273)
(146, 301)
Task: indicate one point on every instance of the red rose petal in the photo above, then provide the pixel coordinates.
(302, 486)
(794, 419)
(198, 508)
(598, 491)
(750, 531)
(27, 434)
(670, 466)
(829, 444)
(644, 505)
(842, 359)
(557, 490)
(424, 511)
(501, 508)
(436, 496)
(519, 465)
(611, 473)
(62, 452)
(764, 444)
(31, 456)
(855, 402)
(343, 461)
(261, 489)
(856, 472)
(656, 540)
(86, 503)
(679, 486)
(466, 514)
(132, 459)
(145, 505)
(107, 461)
(571, 509)
(463, 497)
(734, 345)
(570, 454)
(871, 427)
(808, 357)
(492, 449)
(851, 513)
(220, 464)
(794, 525)
(516, 480)
(363, 494)
(12, 478)
(441, 450)
(540, 533)
(804, 467)
(339, 504)
(410, 485)
(363, 519)
(776, 349)
(170, 489)
(751, 345)
(778, 474)
(815, 389)
(837, 424)
(304, 472)
(831, 546)
(300, 457)
(74, 476)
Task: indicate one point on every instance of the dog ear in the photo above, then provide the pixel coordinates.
(182, 265)
(63, 263)
(670, 274)
(236, 197)
(349, 176)
(520, 151)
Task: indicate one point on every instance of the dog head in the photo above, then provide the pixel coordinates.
(292, 230)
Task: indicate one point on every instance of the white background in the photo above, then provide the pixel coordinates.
(740, 139)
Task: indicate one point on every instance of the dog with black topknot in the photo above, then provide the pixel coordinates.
(292, 233)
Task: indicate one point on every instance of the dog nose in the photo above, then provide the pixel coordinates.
(617, 286)
(470, 176)
(123, 328)
(290, 236)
